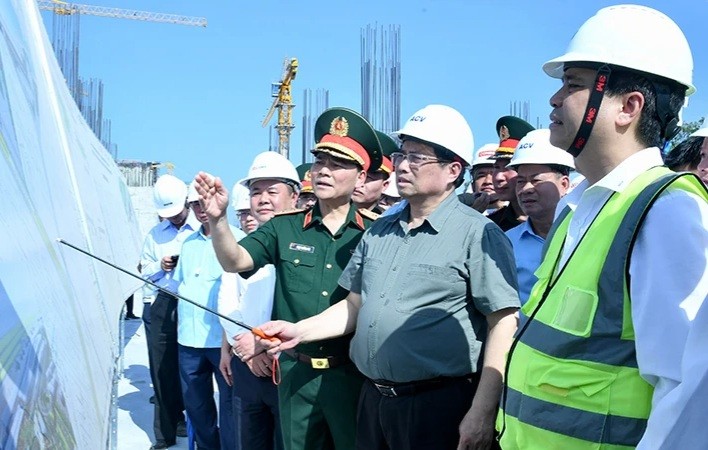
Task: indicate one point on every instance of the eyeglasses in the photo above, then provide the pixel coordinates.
(415, 159)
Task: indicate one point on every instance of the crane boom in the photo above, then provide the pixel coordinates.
(119, 13)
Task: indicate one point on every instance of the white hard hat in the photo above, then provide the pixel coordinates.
(536, 148)
(482, 156)
(631, 36)
(240, 197)
(169, 195)
(703, 132)
(392, 189)
(192, 194)
(443, 126)
(272, 166)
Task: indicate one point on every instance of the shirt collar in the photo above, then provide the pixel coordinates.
(202, 234)
(629, 169)
(314, 215)
(191, 223)
(618, 179)
(437, 218)
(527, 228)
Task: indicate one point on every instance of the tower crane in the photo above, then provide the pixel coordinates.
(63, 8)
(283, 101)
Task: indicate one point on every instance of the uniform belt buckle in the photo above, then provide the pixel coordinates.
(386, 391)
(319, 363)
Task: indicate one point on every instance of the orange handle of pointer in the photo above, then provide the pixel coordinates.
(275, 370)
(261, 334)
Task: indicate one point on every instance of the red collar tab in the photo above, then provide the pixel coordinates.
(308, 219)
(359, 220)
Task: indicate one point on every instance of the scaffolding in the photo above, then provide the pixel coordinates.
(381, 76)
(66, 36)
(315, 102)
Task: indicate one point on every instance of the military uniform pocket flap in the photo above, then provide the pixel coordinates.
(300, 259)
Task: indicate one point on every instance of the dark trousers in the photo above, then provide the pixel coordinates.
(197, 368)
(146, 326)
(129, 306)
(164, 367)
(255, 402)
(318, 407)
(426, 420)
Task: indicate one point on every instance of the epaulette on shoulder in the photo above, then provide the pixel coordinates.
(290, 211)
(368, 214)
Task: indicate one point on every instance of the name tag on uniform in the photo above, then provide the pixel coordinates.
(301, 247)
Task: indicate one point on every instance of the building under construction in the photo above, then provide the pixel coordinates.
(381, 76)
(66, 36)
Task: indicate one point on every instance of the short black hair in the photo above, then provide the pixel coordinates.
(663, 99)
(687, 153)
(559, 169)
(447, 156)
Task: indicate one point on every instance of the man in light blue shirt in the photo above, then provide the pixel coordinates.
(542, 179)
(198, 274)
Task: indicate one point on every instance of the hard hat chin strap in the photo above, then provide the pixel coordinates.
(598, 91)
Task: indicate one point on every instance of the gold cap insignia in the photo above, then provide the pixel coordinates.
(308, 176)
(339, 127)
(504, 133)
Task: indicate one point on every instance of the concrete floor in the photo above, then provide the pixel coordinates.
(135, 412)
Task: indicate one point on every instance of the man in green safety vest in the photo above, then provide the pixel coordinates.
(606, 359)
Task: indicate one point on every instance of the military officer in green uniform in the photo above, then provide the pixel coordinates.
(368, 195)
(307, 198)
(309, 248)
(510, 130)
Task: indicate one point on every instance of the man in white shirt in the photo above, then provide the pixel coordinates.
(273, 183)
(602, 361)
(159, 256)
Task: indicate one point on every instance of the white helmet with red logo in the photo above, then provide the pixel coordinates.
(483, 156)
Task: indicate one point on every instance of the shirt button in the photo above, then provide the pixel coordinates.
(395, 269)
(382, 295)
(325, 293)
(329, 266)
(297, 261)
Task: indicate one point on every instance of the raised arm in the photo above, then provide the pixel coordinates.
(214, 199)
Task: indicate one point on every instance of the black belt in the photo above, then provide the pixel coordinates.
(326, 362)
(391, 389)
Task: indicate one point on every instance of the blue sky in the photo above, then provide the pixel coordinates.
(196, 96)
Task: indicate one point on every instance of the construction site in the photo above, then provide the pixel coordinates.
(98, 103)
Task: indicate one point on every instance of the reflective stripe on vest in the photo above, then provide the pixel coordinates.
(572, 376)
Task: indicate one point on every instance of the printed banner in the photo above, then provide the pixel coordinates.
(59, 309)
